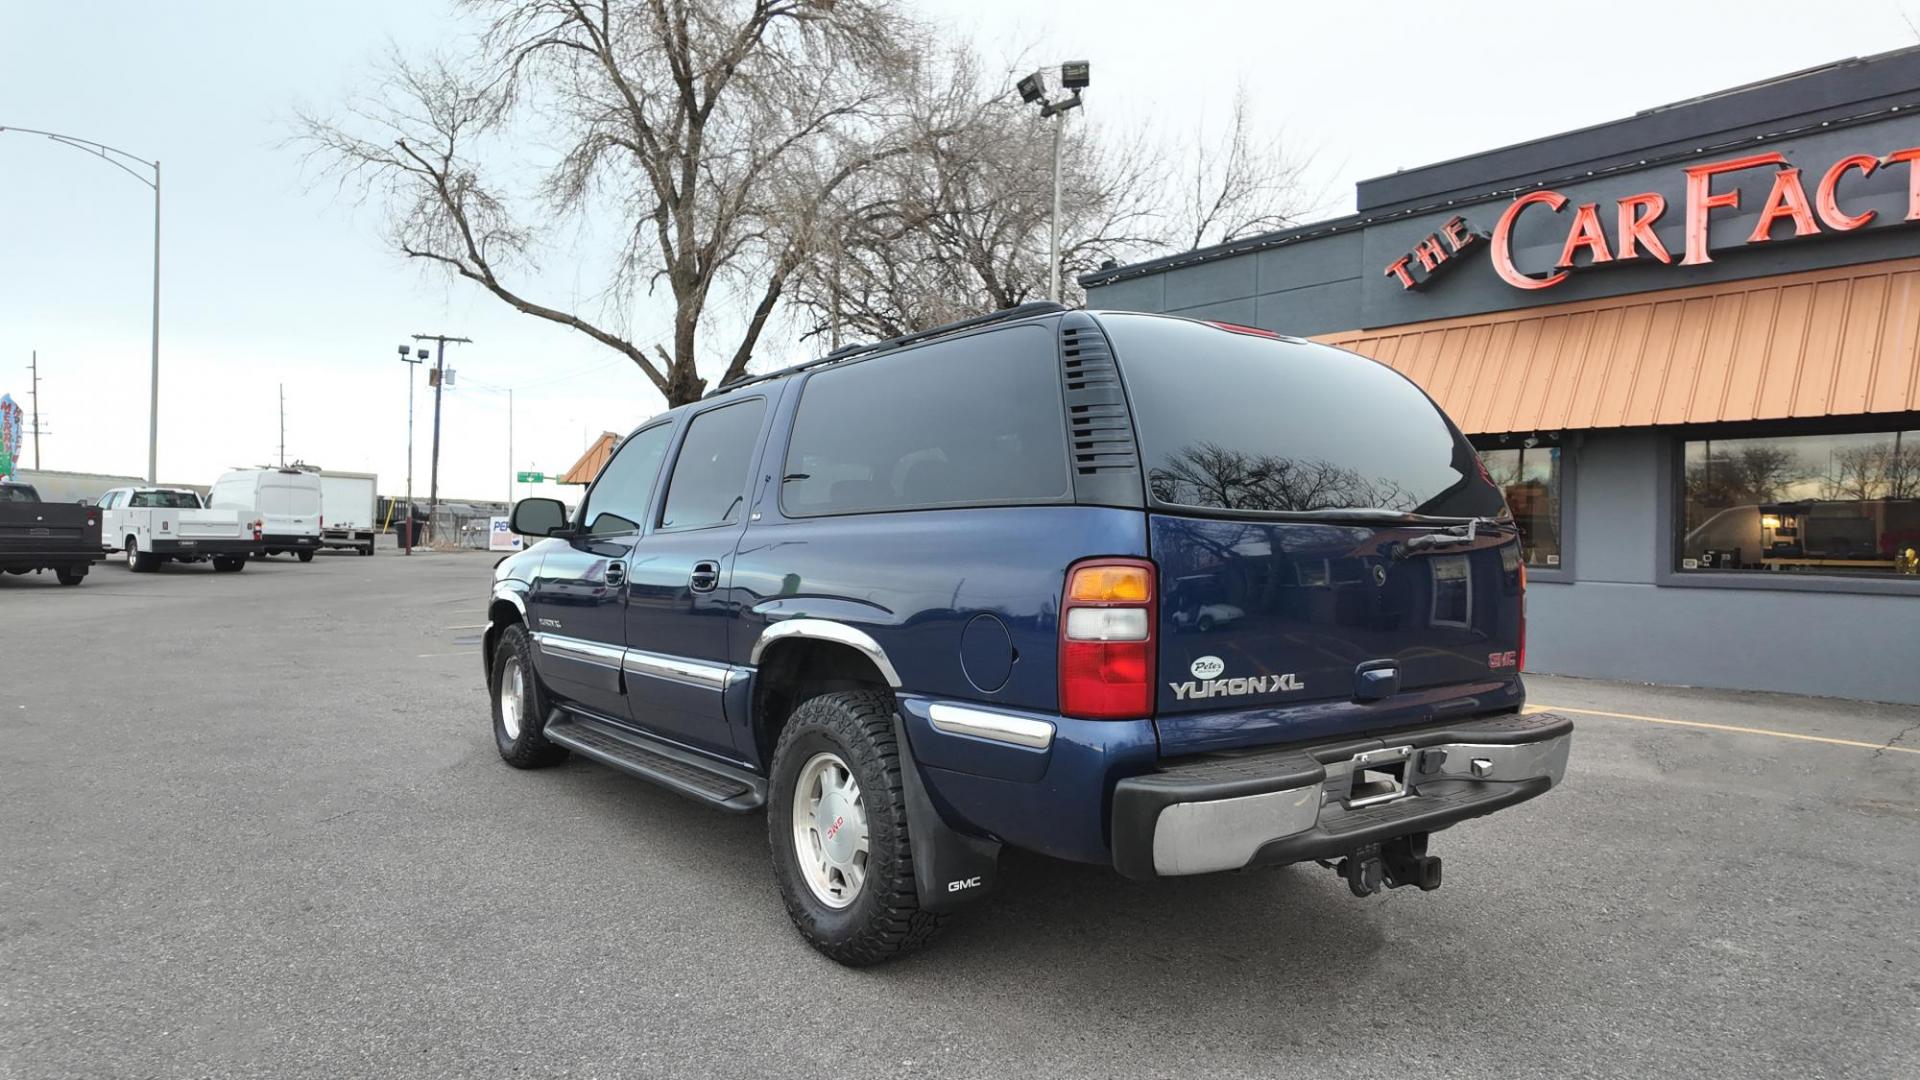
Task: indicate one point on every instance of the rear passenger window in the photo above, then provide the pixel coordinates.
(972, 422)
(709, 483)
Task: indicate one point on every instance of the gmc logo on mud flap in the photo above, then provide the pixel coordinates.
(963, 883)
(1500, 660)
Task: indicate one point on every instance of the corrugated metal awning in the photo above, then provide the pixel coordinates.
(593, 460)
(1837, 342)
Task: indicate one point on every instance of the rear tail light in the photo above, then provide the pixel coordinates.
(1520, 658)
(1106, 640)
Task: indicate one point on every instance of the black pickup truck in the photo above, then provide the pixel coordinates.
(35, 535)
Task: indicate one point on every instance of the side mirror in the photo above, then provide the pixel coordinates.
(86, 502)
(538, 517)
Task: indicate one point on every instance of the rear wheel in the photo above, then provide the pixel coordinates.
(520, 705)
(837, 823)
(140, 562)
(71, 575)
(306, 555)
(229, 564)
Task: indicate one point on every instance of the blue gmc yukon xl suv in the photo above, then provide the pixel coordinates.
(1169, 596)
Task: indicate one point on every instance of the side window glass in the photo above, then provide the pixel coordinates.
(618, 502)
(709, 484)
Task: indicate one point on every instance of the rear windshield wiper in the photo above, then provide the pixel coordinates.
(1454, 536)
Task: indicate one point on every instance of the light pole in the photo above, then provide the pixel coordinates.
(410, 360)
(1075, 75)
(439, 385)
(119, 159)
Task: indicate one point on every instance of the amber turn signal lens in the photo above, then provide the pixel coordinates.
(1110, 584)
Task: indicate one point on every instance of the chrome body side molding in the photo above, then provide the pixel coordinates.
(1000, 727)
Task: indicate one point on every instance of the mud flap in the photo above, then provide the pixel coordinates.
(951, 870)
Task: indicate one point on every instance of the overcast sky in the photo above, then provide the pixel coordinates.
(269, 281)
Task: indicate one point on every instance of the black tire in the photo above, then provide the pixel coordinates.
(71, 575)
(306, 555)
(140, 562)
(884, 920)
(229, 564)
(529, 749)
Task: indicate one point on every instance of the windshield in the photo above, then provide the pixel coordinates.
(1233, 421)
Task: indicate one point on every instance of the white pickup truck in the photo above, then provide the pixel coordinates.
(154, 525)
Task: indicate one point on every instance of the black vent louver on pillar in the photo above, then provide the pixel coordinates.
(1106, 463)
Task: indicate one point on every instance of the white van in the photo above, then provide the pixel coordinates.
(287, 502)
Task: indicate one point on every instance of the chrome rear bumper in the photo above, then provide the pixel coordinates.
(1224, 812)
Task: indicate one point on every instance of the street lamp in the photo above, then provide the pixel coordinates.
(1075, 75)
(420, 358)
(119, 159)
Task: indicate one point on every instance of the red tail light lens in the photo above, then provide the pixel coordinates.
(1521, 655)
(1107, 640)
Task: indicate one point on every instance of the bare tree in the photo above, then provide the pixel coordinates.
(959, 224)
(1242, 185)
(705, 136)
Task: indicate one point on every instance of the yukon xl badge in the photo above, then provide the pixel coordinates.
(1207, 684)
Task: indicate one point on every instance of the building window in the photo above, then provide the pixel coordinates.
(1807, 504)
(1529, 476)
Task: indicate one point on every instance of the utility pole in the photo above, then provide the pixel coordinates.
(35, 394)
(510, 476)
(283, 425)
(439, 385)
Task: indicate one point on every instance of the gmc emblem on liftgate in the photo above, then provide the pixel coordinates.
(1256, 684)
(1503, 659)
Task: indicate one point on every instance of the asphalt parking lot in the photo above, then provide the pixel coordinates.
(254, 825)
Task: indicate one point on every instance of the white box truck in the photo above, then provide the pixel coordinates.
(349, 503)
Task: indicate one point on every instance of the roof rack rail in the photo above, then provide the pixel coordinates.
(848, 352)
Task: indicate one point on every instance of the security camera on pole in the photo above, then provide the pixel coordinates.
(1075, 75)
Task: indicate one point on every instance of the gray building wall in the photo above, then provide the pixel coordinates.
(1610, 616)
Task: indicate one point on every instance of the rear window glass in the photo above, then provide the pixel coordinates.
(1235, 421)
(173, 500)
(977, 421)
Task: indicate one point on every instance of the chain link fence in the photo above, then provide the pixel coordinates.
(453, 526)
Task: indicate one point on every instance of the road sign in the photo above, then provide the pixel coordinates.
(532, 478)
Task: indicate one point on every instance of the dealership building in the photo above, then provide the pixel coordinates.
(1687, 343)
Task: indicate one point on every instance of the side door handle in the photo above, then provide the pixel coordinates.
(705, 576)
(616, 573)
